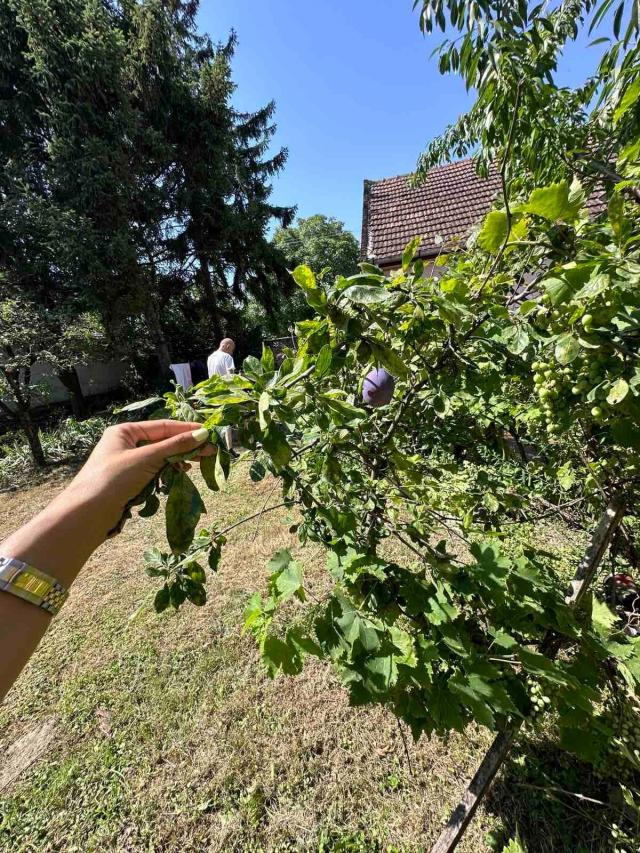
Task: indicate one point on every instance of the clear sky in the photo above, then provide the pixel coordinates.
(357, 94)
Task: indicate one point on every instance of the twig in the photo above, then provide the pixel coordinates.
(406, 748)
(505, 193)
(560, 791)
(251, 517)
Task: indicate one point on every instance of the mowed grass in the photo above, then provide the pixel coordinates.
(162, 732)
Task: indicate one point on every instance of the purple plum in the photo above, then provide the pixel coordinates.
(378, 387)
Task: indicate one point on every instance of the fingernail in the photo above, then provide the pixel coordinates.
(200, 435)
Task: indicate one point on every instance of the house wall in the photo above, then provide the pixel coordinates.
(97, 378)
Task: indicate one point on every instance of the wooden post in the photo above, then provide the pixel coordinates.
(477, 788)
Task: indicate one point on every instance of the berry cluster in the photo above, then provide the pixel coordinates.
(581, 388)
(539, 701)
(622, 760)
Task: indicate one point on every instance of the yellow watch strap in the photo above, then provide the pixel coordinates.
(32, 585)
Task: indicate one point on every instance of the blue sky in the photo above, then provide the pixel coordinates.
(357, 94)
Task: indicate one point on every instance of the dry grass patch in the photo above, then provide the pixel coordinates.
(169, 736)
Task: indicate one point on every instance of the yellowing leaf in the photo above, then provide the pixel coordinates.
(553, 202)
(304, 278)
(493, 232)
(618, 392)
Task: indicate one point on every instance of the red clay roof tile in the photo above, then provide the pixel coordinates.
(442, 210)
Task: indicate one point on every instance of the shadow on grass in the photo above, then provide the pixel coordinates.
(554, 801)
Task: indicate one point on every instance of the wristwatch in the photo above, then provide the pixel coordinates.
(31, 584)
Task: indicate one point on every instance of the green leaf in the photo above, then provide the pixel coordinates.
(595, 286)
(388, 358)
(559, 290)
(277, 446)
(618, 392)
(286, 578)
(183, 511)
(345, 411)
(493, 232)
(567, 348)
(267, 360)
(140, 404)
(552, 202)
(257, 471)
(222, 465)
(303, 644)
(515, 846)
(251, 366)
(162, 599)
(516, 339)
(602, 618)
(304, 278)
(278, 655)
(366, 294)
(382, 671)
(263, 410)
(323, 362)
(208, 471)
(472, 699)
(253, 613)
(491, 502)
(628, 100)
(409, 252)
(151, 507)
(566, 476)
(619, 223)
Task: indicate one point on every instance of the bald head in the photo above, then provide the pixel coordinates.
(227, 345)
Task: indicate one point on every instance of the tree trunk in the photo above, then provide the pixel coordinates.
(210, 302)
(32, 432)
(19, 381)
(152, 316)
(71, 382)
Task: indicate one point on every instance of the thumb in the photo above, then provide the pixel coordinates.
(183, 442)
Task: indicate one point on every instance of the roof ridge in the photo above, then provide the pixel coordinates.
(432, 169)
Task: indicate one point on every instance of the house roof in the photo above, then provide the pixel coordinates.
(452, 199)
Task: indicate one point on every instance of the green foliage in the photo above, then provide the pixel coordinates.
(69, 441)
(443, 641)
(531, 335)
(135, 199)
(318, 242)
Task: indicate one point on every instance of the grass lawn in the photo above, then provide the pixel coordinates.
(145, 732)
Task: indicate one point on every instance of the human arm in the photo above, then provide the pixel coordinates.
(61, 538)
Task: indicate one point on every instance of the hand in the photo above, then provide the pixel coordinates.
(119, 468)
(63, 536)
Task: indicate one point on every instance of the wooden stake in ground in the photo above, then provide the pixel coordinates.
(477, 788)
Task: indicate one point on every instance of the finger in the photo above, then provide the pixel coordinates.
(160, 430)
(207, 450)
(183, 442)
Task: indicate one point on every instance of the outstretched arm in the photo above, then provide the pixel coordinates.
(60, 539)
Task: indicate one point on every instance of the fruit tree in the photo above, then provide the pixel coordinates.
(511, 393)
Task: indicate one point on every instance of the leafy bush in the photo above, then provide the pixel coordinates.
(67, 442)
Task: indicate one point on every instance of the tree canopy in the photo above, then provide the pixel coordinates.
(131, 189)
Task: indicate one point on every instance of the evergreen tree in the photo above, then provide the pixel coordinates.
(132, 190)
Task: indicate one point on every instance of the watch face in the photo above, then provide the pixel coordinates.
(30, 583)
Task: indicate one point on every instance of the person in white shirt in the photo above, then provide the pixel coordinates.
(220, 363)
